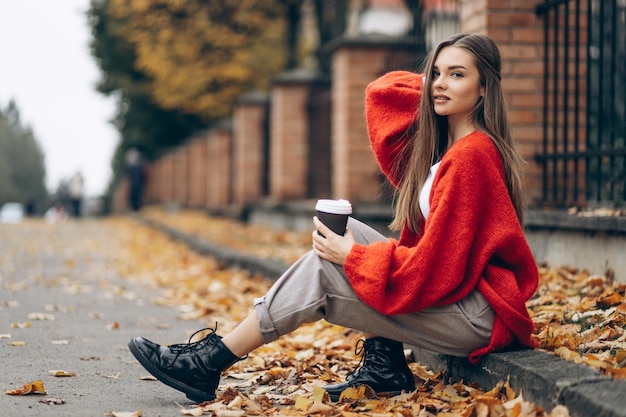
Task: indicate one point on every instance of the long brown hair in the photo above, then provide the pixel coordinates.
(431, 135)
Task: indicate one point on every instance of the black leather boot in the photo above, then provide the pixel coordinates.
(193, 368)
(383, 368)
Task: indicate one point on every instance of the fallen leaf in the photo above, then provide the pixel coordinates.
(148, 378)
(17, 343)
(41, 316)
(35, 387)
(192, 412)
(52, 401)
(113, 326)
(125, 413)
(58, 373)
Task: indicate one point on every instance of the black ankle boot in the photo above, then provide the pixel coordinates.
(193, 368)
(383, 368)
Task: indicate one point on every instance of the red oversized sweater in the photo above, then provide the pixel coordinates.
(471, 239)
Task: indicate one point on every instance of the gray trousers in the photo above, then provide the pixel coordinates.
(313, 289)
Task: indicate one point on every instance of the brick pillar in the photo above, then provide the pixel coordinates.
(250, 120)
(519, 34)
(219, 161)
(180, 175)
(289, 129)
(149, 195)
(166, 177)
(198, 171)
(356, 62)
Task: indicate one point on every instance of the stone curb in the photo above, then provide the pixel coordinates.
(266, 267)
(541, 377)
(548, 381)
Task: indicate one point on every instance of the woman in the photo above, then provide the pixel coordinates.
(455, 282)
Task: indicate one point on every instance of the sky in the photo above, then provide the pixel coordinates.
(47, 69)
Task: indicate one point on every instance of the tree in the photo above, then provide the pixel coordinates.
(199, 55)
(22, 168)
(140, 121)
(176, 66)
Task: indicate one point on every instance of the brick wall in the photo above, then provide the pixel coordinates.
(514, 26)
(181, 175)
(219, 166)
(166, 178)
(288, 136)
(198, 169)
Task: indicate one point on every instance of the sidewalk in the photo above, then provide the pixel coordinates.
(60, 279)
(541, 377)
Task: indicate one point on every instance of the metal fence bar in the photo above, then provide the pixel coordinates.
(588, 160)
(576, 194)
(555, 101)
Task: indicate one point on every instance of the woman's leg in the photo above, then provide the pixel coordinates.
(245, 337)
(314, 289)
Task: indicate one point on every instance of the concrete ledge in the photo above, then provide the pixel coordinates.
(548, 381)
(266, 267)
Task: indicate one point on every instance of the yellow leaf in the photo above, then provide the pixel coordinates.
(318, 407)
(302, 403)
(192, 411)
(126, 413)
(362, 392)
(59, 373)
(35, 387)
(320, 395)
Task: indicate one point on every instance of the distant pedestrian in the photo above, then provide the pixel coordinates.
(457, 280)
(75, 190)
(136, 175)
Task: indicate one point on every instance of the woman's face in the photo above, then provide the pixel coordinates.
(456, 83)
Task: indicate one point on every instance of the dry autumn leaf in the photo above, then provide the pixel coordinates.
(125, 413)
(62, 374)
(35, 387)
(52, 401)
(192, 412)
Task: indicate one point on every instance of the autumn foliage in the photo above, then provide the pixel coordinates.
(199, 55)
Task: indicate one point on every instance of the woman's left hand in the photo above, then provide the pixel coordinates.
(333, 247)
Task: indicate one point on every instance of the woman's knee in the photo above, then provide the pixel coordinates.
(364, 234)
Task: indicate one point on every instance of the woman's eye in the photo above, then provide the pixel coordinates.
(435, 74)
(457, 75)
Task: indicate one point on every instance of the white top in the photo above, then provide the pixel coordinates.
(425, 193)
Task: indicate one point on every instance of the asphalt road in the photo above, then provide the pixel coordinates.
(63, 306)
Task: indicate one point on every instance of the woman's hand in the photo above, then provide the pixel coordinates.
(333, 248)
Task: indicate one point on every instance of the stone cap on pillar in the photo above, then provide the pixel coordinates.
(253, 97)
(300, 76)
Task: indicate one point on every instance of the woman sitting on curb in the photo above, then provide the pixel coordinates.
(456, 281)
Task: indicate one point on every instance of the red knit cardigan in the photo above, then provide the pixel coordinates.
(472, 238)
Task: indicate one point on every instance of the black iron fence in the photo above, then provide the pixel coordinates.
(584, 130)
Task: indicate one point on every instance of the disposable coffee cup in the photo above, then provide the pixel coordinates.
(334, 214)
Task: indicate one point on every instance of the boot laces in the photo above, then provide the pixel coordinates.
(180, 348)
(359, 349)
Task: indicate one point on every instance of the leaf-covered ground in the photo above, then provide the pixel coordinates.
(578, 316)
